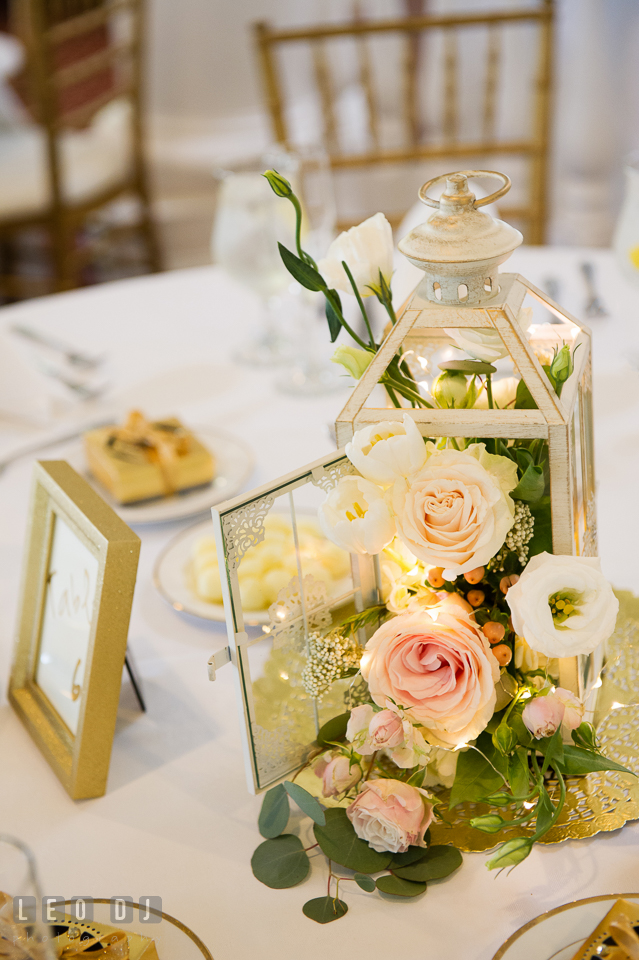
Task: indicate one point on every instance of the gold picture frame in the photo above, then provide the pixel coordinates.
(78, 580)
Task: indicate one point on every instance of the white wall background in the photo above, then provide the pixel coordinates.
(205, 98)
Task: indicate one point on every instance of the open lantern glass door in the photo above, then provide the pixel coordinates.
(474, 324)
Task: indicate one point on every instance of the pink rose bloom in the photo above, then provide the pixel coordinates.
(573, 712)
(337, 775)
(385, 731)
(390, 815)
(438, 667)
(543, 716)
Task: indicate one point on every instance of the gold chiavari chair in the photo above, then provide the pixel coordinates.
(82, 85)
(424, 139)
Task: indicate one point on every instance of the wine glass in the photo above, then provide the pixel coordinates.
(626, 238)
(22, 931)
(249, 221)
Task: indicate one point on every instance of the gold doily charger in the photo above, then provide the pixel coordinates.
(596, 803)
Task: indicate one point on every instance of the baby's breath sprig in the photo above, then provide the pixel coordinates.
(517, 538)
(330, 658)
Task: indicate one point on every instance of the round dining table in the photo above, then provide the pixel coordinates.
(177, 820)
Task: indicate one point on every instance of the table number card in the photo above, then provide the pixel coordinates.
(78, 581)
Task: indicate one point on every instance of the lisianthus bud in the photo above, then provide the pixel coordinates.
(489, 823)
(510, 853)
(354, 360)
(561, 368)
(450, 389)
(279, 184)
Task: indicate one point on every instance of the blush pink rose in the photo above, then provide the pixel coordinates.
(573, 712)
(438, 668)
(338, 775)
(543, 716)
(390, 815)
(385, 730)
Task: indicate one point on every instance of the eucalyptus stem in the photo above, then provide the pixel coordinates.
(360, 302)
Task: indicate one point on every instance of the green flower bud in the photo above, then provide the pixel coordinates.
(504, 738)
(354, 360)
(279, 184)
(510, 853)
(489, 823)
(561, 368)
(499, 800)
(450, 389)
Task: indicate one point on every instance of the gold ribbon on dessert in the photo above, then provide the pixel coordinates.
(154, 442)
(115, 946)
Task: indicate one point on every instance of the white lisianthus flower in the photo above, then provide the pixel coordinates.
(442, 767)
(480, 343)
(355, 361)
(413, 751)
(455, 513)
(384, 452)
(563, 606)
(367, 249)
(504, 394)
(356, 517)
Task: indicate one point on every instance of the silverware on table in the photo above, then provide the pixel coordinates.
(594, 307)
(51, 441)
(82, 389)
(73, 357)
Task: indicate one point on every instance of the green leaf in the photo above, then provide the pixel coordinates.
(552, 749)
(417, 778)
(324, 909)
(523, 398)
(333, 730)
(542, 533)
(578, 761)
(585, 736)
(334, 321)
(476, 777)
(274, 813)
(364, 882)
(305, 801)
(545, 811)
(531, 486)
(306, 275)
(518, 774)
(409, 856)
(523, 733)
(439, 862)
(398, 887)
(281, 862)
(340, 843)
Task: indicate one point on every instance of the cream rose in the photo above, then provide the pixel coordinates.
(385, 452)
(562, 605)
(391, 815)
(438, 668)
(455, 513)
(356, 517)
(367, 250)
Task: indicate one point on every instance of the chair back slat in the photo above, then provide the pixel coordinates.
(493, 64)
(67, 28)
(460, 117)
(95, 63)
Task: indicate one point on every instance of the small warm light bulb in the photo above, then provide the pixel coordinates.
(615, 705)
(598, 682)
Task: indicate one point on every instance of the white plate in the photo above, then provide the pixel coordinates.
(558, 934)
(233, 466)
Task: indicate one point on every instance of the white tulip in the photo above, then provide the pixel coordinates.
(367, 249)
(480, 343)
(562, 605)
(385, 452)
(356, 517)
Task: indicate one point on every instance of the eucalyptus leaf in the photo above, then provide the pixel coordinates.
(274, 813)
(333, 730)
(578, 761)
(281, 862)
(306, 275)
(364, 882)
(306, 802)
(340, 843)
(324, 909)
(439, 862)
(399, 888)
(409, 856)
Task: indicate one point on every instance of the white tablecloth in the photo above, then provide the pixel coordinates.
(177, 820)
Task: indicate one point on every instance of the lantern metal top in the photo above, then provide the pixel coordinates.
(459, 248)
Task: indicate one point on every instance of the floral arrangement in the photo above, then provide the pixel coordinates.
(454, 674)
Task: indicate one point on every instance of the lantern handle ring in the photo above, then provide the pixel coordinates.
(457, 188)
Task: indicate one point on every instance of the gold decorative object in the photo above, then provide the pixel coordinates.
(77, 589)
(318, 43)
(459, 248)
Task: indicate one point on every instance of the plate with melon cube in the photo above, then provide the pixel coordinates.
(187, 573)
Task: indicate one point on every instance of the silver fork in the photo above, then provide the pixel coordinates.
(73, 357)
(594, 307)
